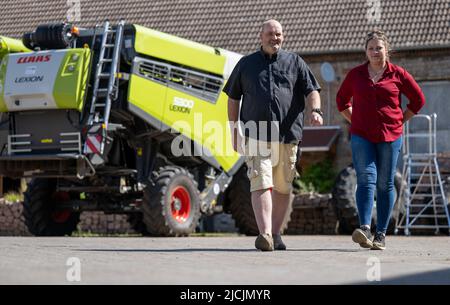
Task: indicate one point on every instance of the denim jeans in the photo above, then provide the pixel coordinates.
(375, 165)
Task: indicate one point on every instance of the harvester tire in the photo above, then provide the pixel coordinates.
(137, 224)
(239, 204)
(39, 209)
(345, 202)
(171, 207)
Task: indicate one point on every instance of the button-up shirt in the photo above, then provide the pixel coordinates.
(272, 89)
(377, 113)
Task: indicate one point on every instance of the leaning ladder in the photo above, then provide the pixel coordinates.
(425, 205)
(104, 91)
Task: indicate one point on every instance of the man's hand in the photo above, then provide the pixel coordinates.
(316, 119)
(237, 141)
(313, 99)
(233, 112)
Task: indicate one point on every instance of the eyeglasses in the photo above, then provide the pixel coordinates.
(375, 33)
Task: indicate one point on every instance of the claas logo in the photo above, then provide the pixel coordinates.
(29, 59)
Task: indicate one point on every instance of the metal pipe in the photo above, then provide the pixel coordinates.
(9, 45)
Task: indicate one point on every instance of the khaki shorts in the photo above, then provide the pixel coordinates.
(270, 165)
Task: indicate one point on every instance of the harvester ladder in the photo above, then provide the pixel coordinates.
(425, 199)
(104, 91)
(107, 66)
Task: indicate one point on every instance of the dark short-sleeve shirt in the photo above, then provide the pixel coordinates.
(272, 90)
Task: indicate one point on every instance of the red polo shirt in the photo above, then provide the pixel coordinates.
(377, 114)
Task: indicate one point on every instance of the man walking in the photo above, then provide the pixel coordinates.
(273, 84)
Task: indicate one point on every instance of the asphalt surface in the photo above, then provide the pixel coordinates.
(230, 260)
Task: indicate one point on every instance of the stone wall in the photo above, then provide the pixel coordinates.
(101, 223)
(12, 222)
(311, 214)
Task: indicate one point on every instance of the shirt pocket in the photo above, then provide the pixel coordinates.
(285, 80)
(253, 169)
(249, 83)
(290, 161)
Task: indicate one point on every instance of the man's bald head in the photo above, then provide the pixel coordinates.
(271, 23)
(271, 36)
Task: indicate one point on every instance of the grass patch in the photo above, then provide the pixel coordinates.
(13, 197)
(202, 234)
(90, 234)
(213, 234)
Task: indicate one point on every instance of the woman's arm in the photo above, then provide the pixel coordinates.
(347, 114)
(416, 98)
(407, 114)
(344, 98)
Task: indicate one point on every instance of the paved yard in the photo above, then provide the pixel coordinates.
(221, 260)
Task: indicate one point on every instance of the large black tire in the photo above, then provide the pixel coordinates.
(172, 206)
(137, 223)
(239, 204)
(40, 210)
(345, 202)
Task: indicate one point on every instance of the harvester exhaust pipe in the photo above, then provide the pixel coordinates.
(51, 36)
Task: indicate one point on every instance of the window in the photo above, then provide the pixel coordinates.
(153, 71)
(202, 85)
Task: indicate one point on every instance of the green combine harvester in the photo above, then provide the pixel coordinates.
(121, 119)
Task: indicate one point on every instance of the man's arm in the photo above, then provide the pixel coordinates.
(233, 115)
(313, 99)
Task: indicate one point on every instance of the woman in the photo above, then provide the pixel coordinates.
(370, 99)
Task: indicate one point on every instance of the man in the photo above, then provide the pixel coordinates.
(273, 84)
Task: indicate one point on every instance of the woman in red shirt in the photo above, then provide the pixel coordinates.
(370, 99)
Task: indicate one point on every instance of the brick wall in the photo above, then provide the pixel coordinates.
(311, 214)
(12, 222)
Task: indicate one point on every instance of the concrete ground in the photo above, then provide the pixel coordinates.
(229, 260)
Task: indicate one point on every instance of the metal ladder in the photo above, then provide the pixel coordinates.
(103, 92)
(425, 199)
(107, 67)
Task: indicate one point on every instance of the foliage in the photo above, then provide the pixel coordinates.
(80, 233)
(13, 197)
(317, 178)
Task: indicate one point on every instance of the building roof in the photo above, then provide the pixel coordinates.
(319, 138)
(314, 26)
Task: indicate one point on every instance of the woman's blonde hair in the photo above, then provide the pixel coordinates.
(378, 34)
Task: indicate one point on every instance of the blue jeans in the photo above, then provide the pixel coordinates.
(375, 165)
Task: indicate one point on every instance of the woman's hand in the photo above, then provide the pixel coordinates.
(347, 114)
(407, 115)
